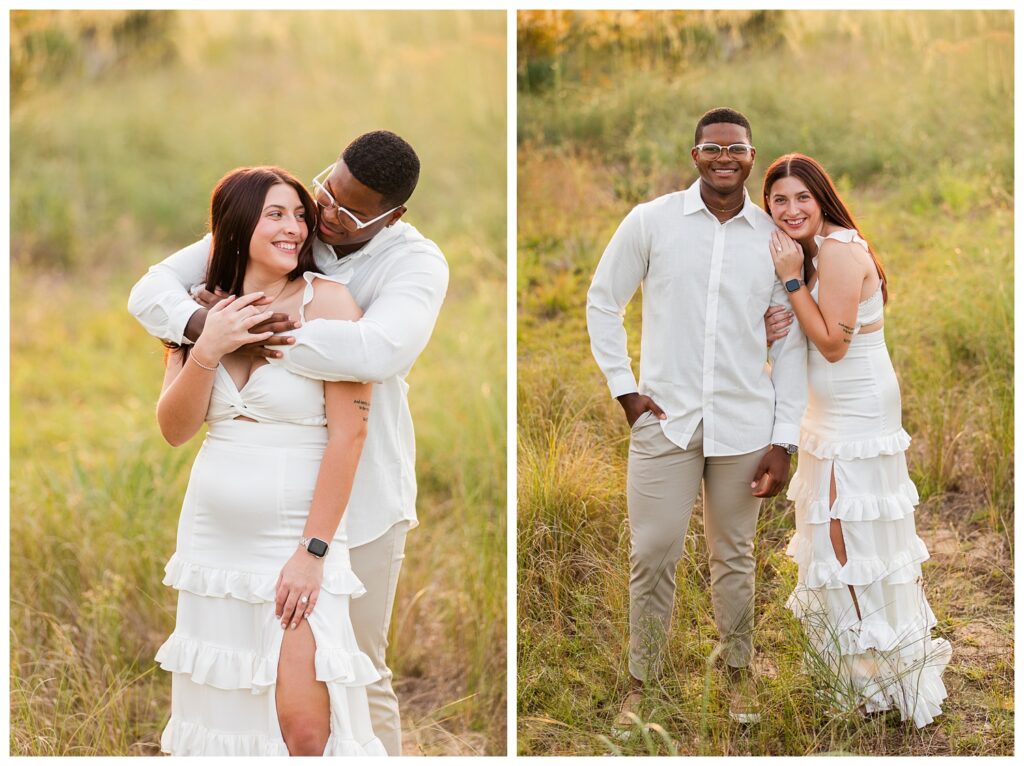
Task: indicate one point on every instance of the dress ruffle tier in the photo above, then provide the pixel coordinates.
(886, 658)
(217, 606)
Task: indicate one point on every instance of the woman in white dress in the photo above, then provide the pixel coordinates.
(263, 656)
(859, 594)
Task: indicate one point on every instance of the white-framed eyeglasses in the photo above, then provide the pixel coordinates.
(345, 217)
(709, 151)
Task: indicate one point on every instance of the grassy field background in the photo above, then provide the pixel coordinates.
(912, 113)
(121, 123)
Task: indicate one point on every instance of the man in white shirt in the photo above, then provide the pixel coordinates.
(399, 279)
(709, 407)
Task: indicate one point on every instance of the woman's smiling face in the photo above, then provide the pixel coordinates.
(280, 231)
(794, 209)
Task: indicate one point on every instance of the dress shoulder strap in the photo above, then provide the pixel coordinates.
(871, 309)
(843, 235)
(309, 276)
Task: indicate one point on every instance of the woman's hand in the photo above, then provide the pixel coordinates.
(227, 327)
(777, 320)
(277, 323)
(787, 256)
(298, 587)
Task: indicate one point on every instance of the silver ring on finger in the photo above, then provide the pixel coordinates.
(304, 600)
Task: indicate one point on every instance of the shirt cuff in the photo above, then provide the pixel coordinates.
(622, 384)
(179, 320)
(785, 433)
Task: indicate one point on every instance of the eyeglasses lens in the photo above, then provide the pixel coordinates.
(735, 151)
(323, 199)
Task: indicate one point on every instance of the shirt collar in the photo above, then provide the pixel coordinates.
(325, 253)
(693, 202)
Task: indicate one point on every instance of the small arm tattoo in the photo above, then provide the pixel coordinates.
(847, 330)
(363, 405)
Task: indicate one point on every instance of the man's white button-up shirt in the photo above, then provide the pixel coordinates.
(703, 355)
(399, 279)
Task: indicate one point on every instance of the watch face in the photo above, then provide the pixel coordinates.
(317, 547)
(793, 285)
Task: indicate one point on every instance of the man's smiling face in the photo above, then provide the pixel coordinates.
(723, 174)
(366, 204)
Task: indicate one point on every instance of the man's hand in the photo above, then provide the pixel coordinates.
(772, 473)
(276, 323)
(777, 320)
(636, 405)
(207, 299)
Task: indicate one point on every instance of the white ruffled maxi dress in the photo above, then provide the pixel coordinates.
(886, 657)
(248, 497)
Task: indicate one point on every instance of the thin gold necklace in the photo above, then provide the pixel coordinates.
(722, 209)
(279, 292)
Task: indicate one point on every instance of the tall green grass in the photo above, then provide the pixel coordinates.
(117, 137)
(912, 114)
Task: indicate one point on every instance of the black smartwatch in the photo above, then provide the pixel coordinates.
(792, 285)
(314, 546)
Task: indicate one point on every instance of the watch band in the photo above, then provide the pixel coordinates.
(791, 449)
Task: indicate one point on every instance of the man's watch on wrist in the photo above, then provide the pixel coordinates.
(314, 546)
(791, 449)
(792, 285)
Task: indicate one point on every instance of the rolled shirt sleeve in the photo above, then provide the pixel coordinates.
(161, 302)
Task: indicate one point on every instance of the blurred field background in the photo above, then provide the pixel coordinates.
(121, 123)
(912, 113)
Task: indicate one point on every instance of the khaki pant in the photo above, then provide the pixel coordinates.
(377, 565)
(662, 486)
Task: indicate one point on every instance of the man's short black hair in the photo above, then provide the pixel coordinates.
(722, 114)
(384, 162)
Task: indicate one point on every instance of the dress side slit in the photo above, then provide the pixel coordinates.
(835, 533)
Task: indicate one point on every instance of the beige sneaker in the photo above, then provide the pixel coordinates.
(628, 717)
(743, 704)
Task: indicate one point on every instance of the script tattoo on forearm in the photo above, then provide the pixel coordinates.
(847, 330)
(364, 406)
